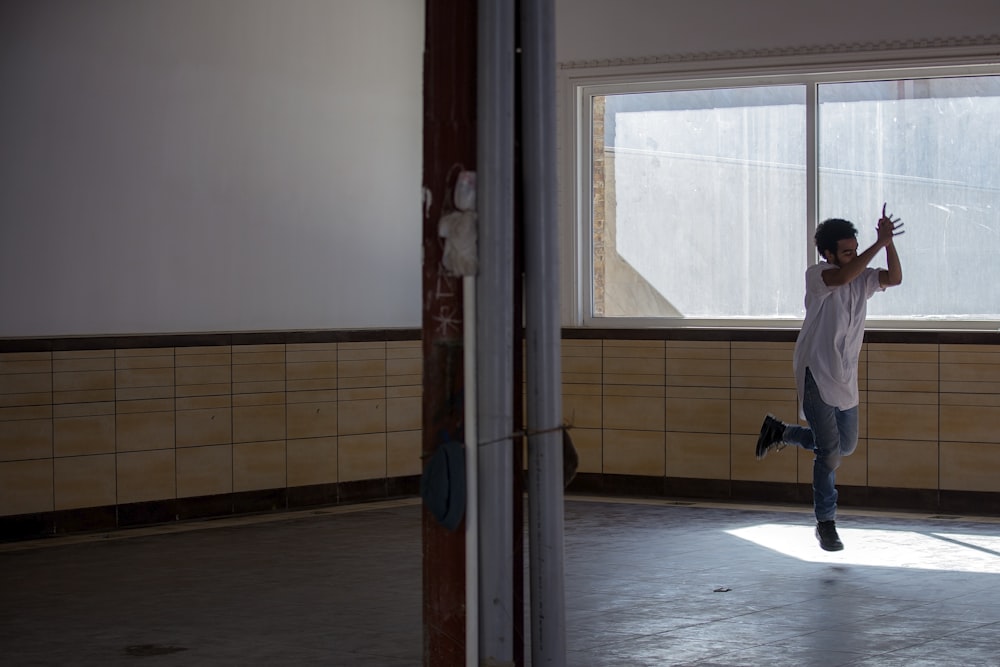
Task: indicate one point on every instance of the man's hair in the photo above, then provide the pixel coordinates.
(830, 232)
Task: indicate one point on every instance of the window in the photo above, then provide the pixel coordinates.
(701, 198)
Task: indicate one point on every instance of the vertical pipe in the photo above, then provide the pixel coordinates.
(494, 323)
(471, 474)
(542, 330)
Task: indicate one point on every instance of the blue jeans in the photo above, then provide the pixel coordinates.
(832, 434)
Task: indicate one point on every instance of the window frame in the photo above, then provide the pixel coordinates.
(581, 85)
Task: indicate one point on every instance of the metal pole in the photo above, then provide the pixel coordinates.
(542, 330)
(494, 324)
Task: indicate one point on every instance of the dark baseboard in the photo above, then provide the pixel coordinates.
(970, 503)
(99, 519)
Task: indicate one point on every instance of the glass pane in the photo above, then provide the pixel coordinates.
(699, 203)
(929, 148)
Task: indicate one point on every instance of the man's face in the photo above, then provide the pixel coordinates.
(847, 250)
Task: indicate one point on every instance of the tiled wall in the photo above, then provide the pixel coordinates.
(129, 427)
(117, 427)
(689, 411)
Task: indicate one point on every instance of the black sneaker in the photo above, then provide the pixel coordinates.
(771, 433)
(826, 533)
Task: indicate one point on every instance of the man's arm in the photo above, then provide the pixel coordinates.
(894, 275)
(887, 229)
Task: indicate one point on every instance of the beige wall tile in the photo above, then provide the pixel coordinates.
(203, 402)
(259, 465)
(84, 481)
(193, 390)
(761, 349)
(970, 466)
(633, 370)
(83, 377)
(83, 381)
(713, 370)
(25, 362)
(144, 430)
(19, 400)
(312, 370)
(896, 421)
(25, 487)
(358, 417)
(402, 450)
(366, 381)
(312, 396)
(410, 366)
(213, 355)
(643, 413)
(971, 367)
(25, 439)
(403, 414)
(77, 436)
(642, 349)
(258, 354)
(312, 461)
(25, 383)
(67, 410)
(26, 412)
(404, 348)
(257, 373)
(582, 411)
(361, 457)
(581, 346)
(777, 467)
(354, 368)
(906, 464)
(84, 396)
(203, 375)
(307, 353)
(206, 426)
(392, 380)
(629, 452)
(144, 362)
(204, 471)
(145, 476)
(698, 410)
(203, 371)
(362, 394)
(968, 422)
(361, 350)
(697, 455)
(317, 384)
(589, 365)
(902, 353)
(405, 391)
(312, 420)
(770, 369)
(83, 360)
(258, 423)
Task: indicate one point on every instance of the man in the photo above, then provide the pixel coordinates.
(826, 358)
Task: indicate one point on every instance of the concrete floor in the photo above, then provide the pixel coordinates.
(647, 583)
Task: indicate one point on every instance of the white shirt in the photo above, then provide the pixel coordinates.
(830, 340)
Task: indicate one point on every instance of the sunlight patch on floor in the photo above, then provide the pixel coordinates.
(882, 548)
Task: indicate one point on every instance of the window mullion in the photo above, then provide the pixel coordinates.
(812, 168)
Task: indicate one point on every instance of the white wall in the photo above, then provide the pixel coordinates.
(602, 29)
(243, 165)
(209, 165)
